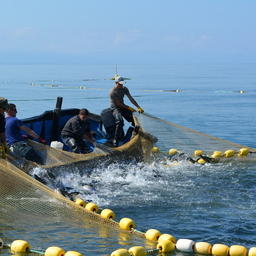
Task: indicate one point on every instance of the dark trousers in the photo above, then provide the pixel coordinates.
(76, 145)
(119, 113)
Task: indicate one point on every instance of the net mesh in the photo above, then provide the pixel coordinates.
(27, 207)
(139, 148)
(171, 135)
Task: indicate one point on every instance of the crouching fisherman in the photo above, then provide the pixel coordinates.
(77, 132)
(15, 140)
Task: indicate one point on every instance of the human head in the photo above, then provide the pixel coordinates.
(119, 80)
(11, 110)
(83, 113)
(3, 104)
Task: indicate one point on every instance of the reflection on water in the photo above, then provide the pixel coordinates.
(214, 203)
(211, 202)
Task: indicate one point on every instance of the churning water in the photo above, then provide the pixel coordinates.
(213, 202)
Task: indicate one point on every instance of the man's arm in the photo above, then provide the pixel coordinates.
(119, 104)
(132, 100)
(29, 132)
(88, 137)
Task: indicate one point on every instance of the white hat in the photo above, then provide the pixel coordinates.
(119, 80)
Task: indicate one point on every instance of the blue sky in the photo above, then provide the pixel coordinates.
(111, 31)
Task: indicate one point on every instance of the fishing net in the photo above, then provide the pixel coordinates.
(137, 149)
(31, 211)
(186, 140)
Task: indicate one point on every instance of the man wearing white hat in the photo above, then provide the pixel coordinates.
(121, 110)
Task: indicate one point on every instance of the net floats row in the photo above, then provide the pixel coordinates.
(22, 246)
(188, 246)
(216, 155)
(166, 242)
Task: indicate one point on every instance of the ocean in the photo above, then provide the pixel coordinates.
(212, 203)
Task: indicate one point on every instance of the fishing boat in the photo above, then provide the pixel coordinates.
(137, 144)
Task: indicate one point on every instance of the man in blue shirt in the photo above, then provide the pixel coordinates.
(14, 138)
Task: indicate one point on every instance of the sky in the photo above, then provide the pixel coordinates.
(126, 32)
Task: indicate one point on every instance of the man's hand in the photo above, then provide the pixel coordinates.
(140, 110)
(43, 141)
(131, 109)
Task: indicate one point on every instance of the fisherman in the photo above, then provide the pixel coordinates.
(77, 132)
(15, 140)
(3, 146)
(120, 110)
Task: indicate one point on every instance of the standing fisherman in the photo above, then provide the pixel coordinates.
(121, 110)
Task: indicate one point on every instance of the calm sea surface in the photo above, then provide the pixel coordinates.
(213, 203)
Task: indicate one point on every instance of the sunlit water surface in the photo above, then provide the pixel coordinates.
(213, 203)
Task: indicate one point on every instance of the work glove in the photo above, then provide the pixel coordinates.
(140, 110)
(131, 109)
(43, 141)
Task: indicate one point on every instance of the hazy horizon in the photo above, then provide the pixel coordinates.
(134, 32)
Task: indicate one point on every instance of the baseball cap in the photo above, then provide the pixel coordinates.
(119, 80)
(3, 103)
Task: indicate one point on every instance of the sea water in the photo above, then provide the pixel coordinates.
(213, 203)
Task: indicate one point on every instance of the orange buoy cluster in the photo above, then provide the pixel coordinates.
(22, 246)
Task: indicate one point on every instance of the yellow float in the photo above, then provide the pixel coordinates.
(80, 202)
(229, 153)
(108, 214)
(217, 154)
(165, 246)
(120, 252)
(19, 246)
(220, 250)
(92, 207)
(203, 248)
(198, 152)
(54, 251)
(152, 234)
(237, 250)
(126, 224)
(167, 237)
(73, 253)
(137, 251)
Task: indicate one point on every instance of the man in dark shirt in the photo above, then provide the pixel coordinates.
(3, 147)
(121, 110)
(75, 131)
